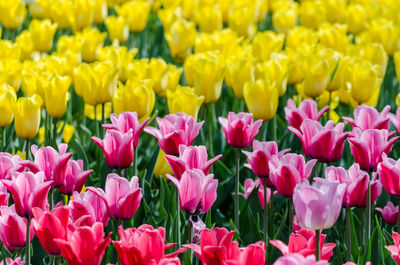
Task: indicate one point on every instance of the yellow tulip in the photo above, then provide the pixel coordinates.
(285, 19)
(242, 21)
(27, 116)
(336, 10)
(237, 74)
(189, 69)
(138, 68)
(181, 38)
(136, 14)
(82, 14)
(117, 28)
(396, 58)
(226, 7)
(120, 57)
(100, 11)
(225, 41)
(169, 16)
(90, 111)
(261, 98)
(334, 36)
(155, 70)
(106, 80)
(184, 99)
(42, 34)
(267, 42)
(136, 95)
(8, 99)
(70, 44)
(398, 100)
(209, 18)
(301, 35)
(276, 71)
(316, 77)
(60, 11)
(376, 54)
(30, 82)
(40, 9)
(356, 18)
(85, 84)
(9, 50)
(296, 66)
(68, 131)
(312, 13)
(25, 42)
(161, 168)
(57, 96)
(169, 80)
(386, 33)
(10, 73)
(12, 13)
(93, 40)
(262, 10)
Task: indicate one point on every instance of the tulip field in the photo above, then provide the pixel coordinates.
(213, 132)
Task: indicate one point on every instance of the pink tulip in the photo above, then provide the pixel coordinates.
(352, 263)
(261, 195)
(307, 110)
(175, 129)
(217, 247)
(239, 129)
(395, 249)
(74, 178)
(297, 259)
(52, 163)
(304, 243)
(170, 261)
(4, 195)
(121, 196)
(318, 206)
(9, 164)
(84, 245)
(368, 147)
(366, 117)
(395, 120)
(49, 226)
(144, 245)
(10, 261)
(324, 143)
(190, 157)
(89, 206)
(117, 148)
(389, 175)
(12, 229)
(288, 171)
(356, 182)
(389, 213)
(261, 155)
(28, 190)
(249, 186)
(197, 192)
(125, 121)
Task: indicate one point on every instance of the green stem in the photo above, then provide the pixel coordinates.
(368, 213)
(362, 220)
(51, 199)
(46, 129)
(318, 245)
(348, 233)
(210, 121)
(3, 136)
(290, 215)
(58, 260)
(265, 212)
(135, 162)
(190, 231)
(102, 120)
(398, 220)
(237, 189)
(178, 221)
(54, 142)
(28, 242)
(95, 121)
(329, 105)
(28, 149)
(273, 128)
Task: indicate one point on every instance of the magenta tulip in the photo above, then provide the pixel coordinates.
(125, 121)
(84, 245)
(297, 259)
(261, 195)
(9, 164)
(74, 178)
(28, 190)
(318, 206)
(288, 171)
(356, 182)
(144, 245)
(175, 129)
(10, 261)
(324, 143)
(389, 175)
(395, 249)
(239, 129)
(90, 207)
(249, 185)
(4, 195)
(190, 157)
(366, 117)
(368, 147)
(307, 110)
(395, 120)
(390, 213)
(121, 196)
(197, 192)
(261, 155)
(117, 148)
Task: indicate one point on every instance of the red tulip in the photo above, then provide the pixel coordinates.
(239, 129)
(89, 206)
(74, 178)
(366, 117)
(307, 110)
(84, 245)
(49, 226)
(144, 246)
(304, 242)
(297, 259)
(390, 214)
(395, 249)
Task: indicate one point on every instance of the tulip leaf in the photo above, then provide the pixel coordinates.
(354, 241)
(381, 241)
(81, 152)
(248, 225)
(208, 220)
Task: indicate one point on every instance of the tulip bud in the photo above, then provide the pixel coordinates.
(80, 7)
(316, 78)
(106, 79)
(181, 38)
(261, 98)
(117, 28)
(100, 11)
(136, 14)
(161, 168)
(40, 9)
(59, 13)
(386, 33)
(209, 18)
(242, 20)
(27, 116)
(93, 40)
(169, 80)
(303, 35)
(42, 34)
(25, 42)
(376, 54)
(184, 99)
(356, 18)
(12, 13)
(57, 96)
(334, 36)
(237, 74)
(8, 100)
(276, 71)
(285, 19)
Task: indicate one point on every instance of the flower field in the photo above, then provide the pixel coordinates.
(214, 132)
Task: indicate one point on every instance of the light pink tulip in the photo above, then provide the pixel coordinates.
(368, 147)
(121, 196)
(324, 143)
(297, 259)
(9, 164)
(390, 213)
(239, 129)
(117, 148)
(190, 157)
(366, 117)
(28, 190)
(395, 120)
(261, 195)
(10, 261)
(249, 185)
(307, 110)
(175, 129)
(318, 206)
(4, 195)
(197, 192)
(352, 263)
(395, 249)
(288, 171)
(261, 155)
(125, 121)
(389, 175)
(88, 208)
(74, 178)
(356, 182)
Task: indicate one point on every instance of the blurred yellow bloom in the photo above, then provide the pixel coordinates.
(57, 96)
(89, 111)
(396, 59)
(40, 9)
(93, 40)
(42, 135)
(336, 10)
(285, 19)
(313, 13)
(169, 80)
(25, 42)
(9, 50)
(181, 38)
(376, 54)
(296, 67)
(100, 11)
(136, 14)
(189, 69)
(301, 36)
(107, 78)
(136, 95)
(237, 74)
(138, 68)
(117, 28)
(242, 20)
(85, 84)
(42, 34)
(71, 44)
(356, 18)
(261, 98)
(267, 42)
(21, 155)
(168, 16)
(68, 132)
(398, 100)
(82, 14)
(60, 11)
(120, 57)
(10, 73)
(12, 13)
(316, 77)
(386, 33)
(155, 71)
(226, 7)
(8, 100)
(224, 41)
(276, 71)
(334, 36)
(184, 99)
(30, 82)
(209, 18)
(161, 168)
(27, 116)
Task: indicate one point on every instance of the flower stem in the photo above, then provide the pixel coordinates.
(28, 149)
(51, 199)
(134, 162)
(190, 232)
(273, 128)
(210, 121)
(398, 219)
(58, 260)
(290, 215)
(102, 120)
(237, 189)
(265, 212)
(28, 242)
(368, 213)
(3, 138)
(348, 233)
(178, 221)
(95, 121)
(54, 142)
(318, 245)
(329, 105)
